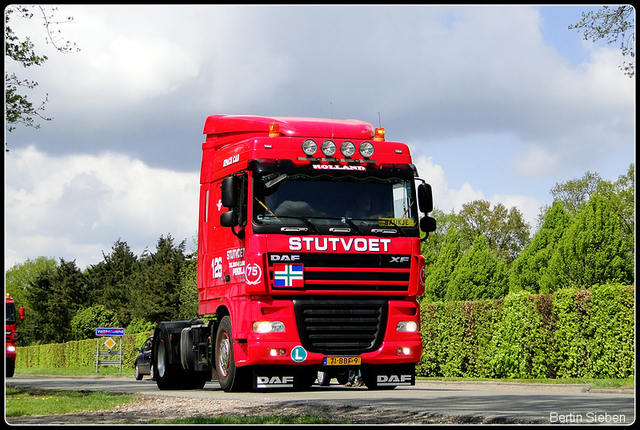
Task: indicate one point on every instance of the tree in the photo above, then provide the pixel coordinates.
(188, 308)
(439, 273)
(18, 281)
(591, 251)
(479, 275)
(111, 281)
(612, 24)
(431, 248)
(18, 109)
(576, 192)
(621, 197)
(505, 230)
(156, 292)
(532, 263)
(85, 321)
(55, 297)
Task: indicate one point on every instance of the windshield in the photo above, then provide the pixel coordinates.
(11, 313)
(333, 204)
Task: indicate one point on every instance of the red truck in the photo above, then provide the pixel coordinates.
(12, 334)
(308, 258)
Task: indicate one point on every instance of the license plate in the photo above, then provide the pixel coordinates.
(342, 361)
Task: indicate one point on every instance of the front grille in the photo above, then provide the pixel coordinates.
(341, 326)
(353, 272)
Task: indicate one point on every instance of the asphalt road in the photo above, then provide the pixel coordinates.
(544, 403)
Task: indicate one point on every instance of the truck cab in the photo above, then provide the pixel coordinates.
(308, 255)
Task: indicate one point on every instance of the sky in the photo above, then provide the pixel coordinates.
(498, 103)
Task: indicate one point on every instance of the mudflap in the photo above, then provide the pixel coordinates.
(283, 377)
(389, 376)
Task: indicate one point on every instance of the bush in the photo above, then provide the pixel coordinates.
(140, 325)
(572, 333)
(85, 321)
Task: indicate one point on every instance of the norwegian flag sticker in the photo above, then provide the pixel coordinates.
(288, 275)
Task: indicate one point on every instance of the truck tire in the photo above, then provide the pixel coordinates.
(230, 377)
(194, 380)
(306, 379)
(324, 379)
(11, 368)
(370, 381)
(168, 376)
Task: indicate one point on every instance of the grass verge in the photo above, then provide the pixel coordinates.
(75, 371)
(28, 401)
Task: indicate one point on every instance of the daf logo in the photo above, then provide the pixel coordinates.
(274, 381)
(384, 380)
(284, 257)
(399, 259)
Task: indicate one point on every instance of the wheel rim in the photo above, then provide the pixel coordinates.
(161, 359)
(224, 355)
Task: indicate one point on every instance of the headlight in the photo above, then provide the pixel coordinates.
(11, 349)
(328, 148)
(347, 148)
(407, 326)
(309, 147)
(366, 149)
(268, 326)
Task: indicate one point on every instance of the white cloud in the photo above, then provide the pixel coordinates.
(444, 198)
(77, 206)
(448, 199)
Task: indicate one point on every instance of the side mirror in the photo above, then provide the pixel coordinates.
(230, 191)
(427, 224)
(425, 198)
(21, 313)
(229, 219)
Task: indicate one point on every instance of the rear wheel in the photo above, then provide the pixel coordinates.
(168, 376)
(138, 374)
(194, 380)
(230, 377)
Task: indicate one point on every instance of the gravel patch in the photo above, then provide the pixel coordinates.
(150, 407)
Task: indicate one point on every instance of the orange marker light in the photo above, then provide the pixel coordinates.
(274, 129)
(379, 134)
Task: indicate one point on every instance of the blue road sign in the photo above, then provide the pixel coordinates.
(102, 331)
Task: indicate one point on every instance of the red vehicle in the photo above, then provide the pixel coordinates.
(12, 334)
(308, 258)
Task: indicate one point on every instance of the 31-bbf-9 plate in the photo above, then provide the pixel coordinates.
(342, 361)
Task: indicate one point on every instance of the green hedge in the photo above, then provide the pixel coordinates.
(76, 353)
(572, 333)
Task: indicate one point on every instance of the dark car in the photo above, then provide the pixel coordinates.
(143, 364)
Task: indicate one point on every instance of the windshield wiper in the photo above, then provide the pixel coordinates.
(400, 230)
(306, 221)
(353, 225)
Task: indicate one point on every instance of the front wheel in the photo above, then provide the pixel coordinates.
(324, 379)
(230, 377)
(11, 368)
